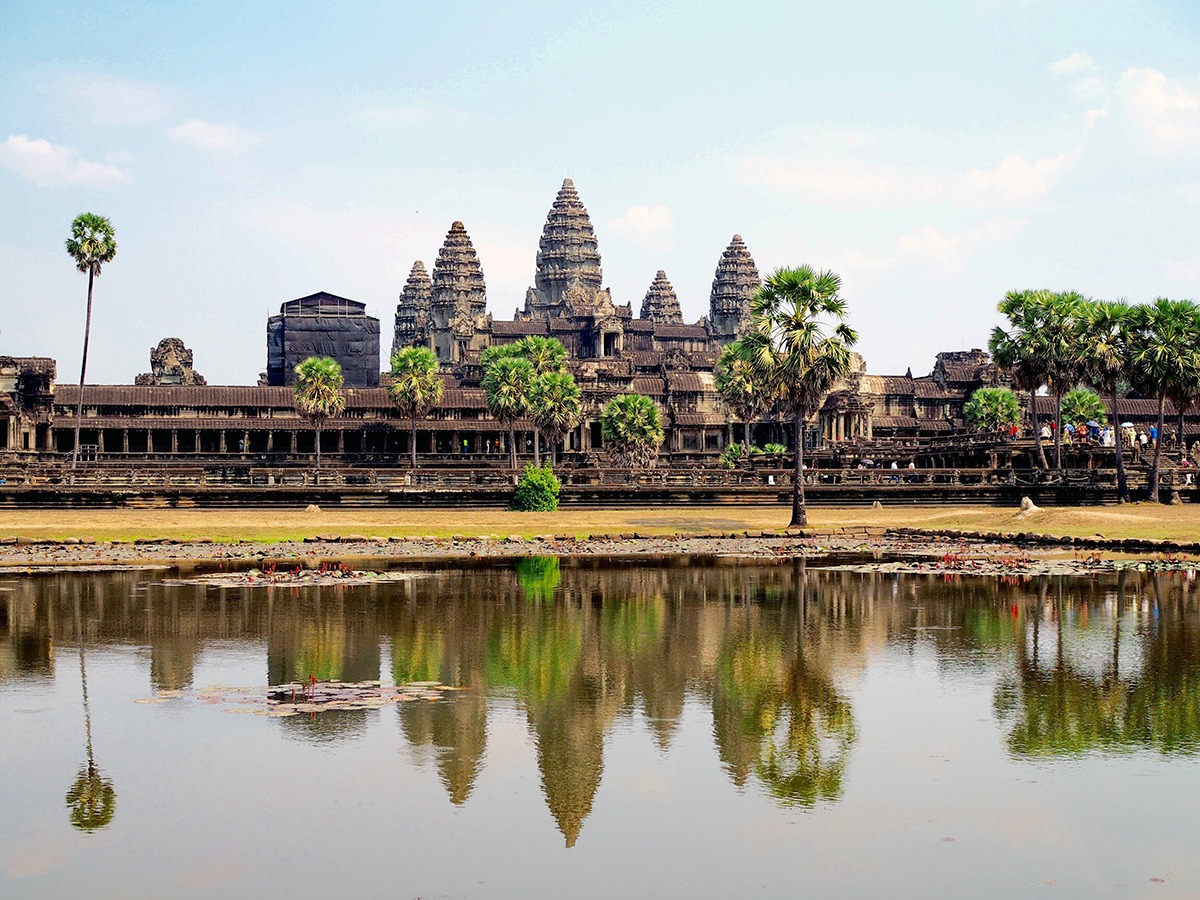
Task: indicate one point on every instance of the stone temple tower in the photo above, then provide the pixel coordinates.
(568, 278)
(459, 304)
(736, 282)
(660, 305)
(414, 311)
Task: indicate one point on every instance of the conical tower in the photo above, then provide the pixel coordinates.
(736, 282)
(567, 257)
(660, 305)
(459, 303)
(414, 310)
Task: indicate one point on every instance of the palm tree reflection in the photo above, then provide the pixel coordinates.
(91, 797)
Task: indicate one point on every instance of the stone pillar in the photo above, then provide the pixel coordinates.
(221, 442)
(125, 440)
(174, 440)
(270, 441)
(341, 447)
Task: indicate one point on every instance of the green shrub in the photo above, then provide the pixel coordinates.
(731, 457)
(537, 491)
(774, 448)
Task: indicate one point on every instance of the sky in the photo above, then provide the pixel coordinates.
(934, 154)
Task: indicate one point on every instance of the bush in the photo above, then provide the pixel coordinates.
(774, 448)
(731, 457)
(537, 491)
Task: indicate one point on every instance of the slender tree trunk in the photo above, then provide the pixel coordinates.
(317, 444)
(1037, 430)
(1122, 478)
(87, 333)
(799, 512)
(412, 442)
(1162, 412)
(512, 445)
(537, 453)
(1057, 431)
(1179, 432)
(87, 711)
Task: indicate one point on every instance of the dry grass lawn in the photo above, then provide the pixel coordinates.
(1131, 521)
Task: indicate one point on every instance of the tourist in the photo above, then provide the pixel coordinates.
(1153, 436)
(1045, 432)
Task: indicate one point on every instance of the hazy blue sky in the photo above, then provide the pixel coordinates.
(935, 154)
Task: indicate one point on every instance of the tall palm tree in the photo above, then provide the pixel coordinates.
(545, 355)
(799, 343)
(741, 390)
(317, 393)
(1059, 343)
(556, 407)
(92, 243)
(1013, 351)
(631, 427)
(1104, 338)
(508, 386)
(416, 388)
(1164, 360)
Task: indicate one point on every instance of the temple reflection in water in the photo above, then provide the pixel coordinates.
(1081, 665)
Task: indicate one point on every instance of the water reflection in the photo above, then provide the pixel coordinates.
(91, 797)
(772, 653)
(1119, 674)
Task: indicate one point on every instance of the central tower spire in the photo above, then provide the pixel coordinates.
(567, 255)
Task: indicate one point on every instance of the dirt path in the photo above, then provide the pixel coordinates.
(1151, 521)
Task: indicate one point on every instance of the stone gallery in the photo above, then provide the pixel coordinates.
(172, 411)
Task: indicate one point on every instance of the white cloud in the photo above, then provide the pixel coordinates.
(222, 138)
(1092, 116)
(1166, 110)
(929, 245)
(1190, 192)
(113, 100)
(1091, 89)
(412, 114)
(1185, 268)
(830, 179)
(48, 164)
(1076, 62)
(1017, 179)
(1013, 180)
(643, 221)
(855, 260)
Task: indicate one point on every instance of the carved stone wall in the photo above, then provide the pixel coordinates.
(170, 363)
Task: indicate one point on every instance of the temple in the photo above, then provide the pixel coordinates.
(172, 412)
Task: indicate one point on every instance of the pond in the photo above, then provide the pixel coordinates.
(658, 729)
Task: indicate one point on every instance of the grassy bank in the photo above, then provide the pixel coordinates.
(1148, 521)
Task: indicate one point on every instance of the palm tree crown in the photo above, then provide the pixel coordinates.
(799, 345)
(507, 386)
(556, 406)
(415, 387)
(631, 427)
(317, 392)
(740, 387)
(92, 242)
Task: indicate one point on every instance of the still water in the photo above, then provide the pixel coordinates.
(703, 730)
